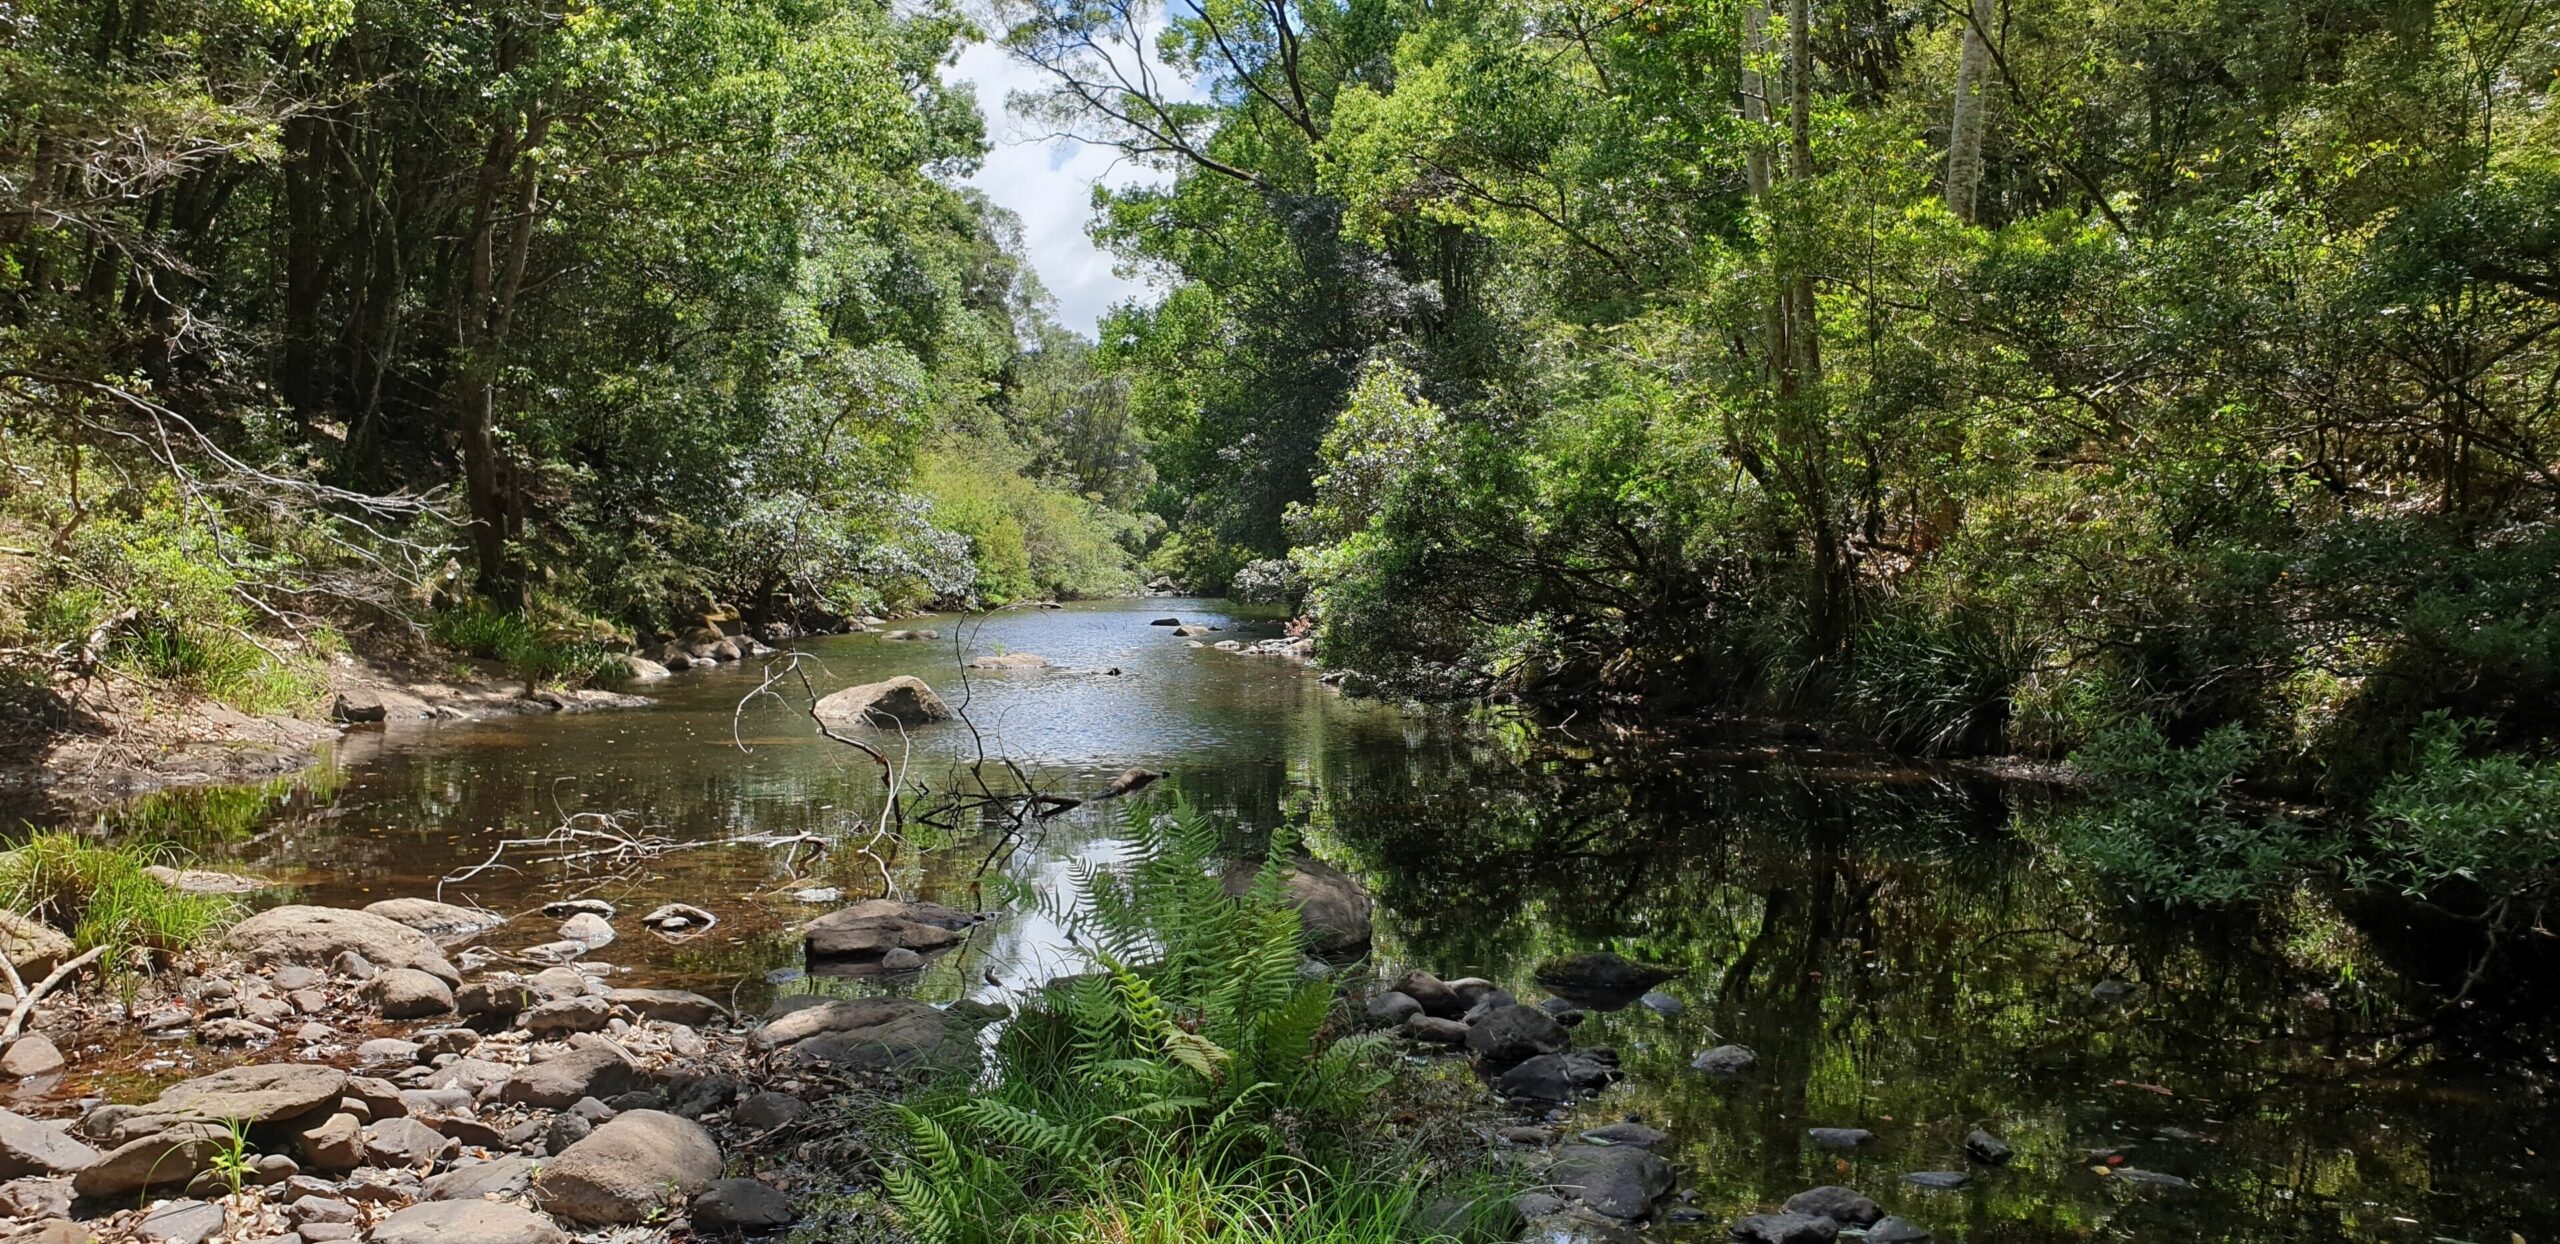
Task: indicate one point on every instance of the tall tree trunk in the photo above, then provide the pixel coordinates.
(1964, 131)
(505, 201)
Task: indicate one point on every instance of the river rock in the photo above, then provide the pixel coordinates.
(466, 1222)
(182, 1222)
(679, 918)
(1599, 979)
(335, 1143)
(1558, 1078)
(902, 701)
(1725, 1061)
(406, 1143)
(871, 1034)
(248, 1095)
(1627, 1132)
(553, 1020)
(1839, 1137)
(1943, 1181)
(35, 1197)
(1010, 661)
(480, 1078)
(1386, 1010)
(29, 1056)
(1483, 1004)
(34, 1147)
(1332, 909)
(868, 930)
(32, 946)
(560, 1081)
(1615, 1180)
(1514, 1034)
(504, 1178)
(407, 993)
(673, 1006)
(1166, 622)
(1895, 1230)
(203, 880)
(1786, 1229)
(553, 984)
(1435, 995)
(1845, 1206)
(442, 921)
(628, 1169)
(1435, 1030)
(1983, 1147)
(388, 1050)
(312, 935)
(587, 929)
(172, 1156)
(740, 1205)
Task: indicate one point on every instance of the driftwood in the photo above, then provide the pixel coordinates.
(27, 997)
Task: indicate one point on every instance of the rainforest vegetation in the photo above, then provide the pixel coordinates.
(2173, 386)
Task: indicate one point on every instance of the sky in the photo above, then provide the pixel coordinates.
(1049, 184)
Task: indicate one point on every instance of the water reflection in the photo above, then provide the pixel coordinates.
(1896, 958)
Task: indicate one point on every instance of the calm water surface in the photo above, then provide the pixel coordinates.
(1896, 957)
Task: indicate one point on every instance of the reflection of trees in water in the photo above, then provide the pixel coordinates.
(1898, 962)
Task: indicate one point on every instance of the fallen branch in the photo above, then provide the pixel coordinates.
(27, 997)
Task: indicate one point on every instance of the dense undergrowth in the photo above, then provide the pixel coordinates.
(1200, 1086)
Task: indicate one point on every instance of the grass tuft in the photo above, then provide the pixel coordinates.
(103, 896)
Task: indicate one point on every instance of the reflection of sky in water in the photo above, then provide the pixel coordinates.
(1898, 959)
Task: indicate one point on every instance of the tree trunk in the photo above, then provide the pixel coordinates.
(505, 203)
(1964, 131)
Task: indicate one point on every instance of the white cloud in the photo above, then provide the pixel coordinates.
(1049, 183)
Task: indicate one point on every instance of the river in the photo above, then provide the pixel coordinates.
(1897, 958)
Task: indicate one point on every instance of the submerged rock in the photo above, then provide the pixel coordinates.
(1896, 1230)
(1786, 1229)
(1986, 1148)
(1599, 979)
(1845, 1206)
(868, 930)
(1010, 661)
(1726, 1061)
(1942, 1181)
(1620, 1181)
(1840, 1137)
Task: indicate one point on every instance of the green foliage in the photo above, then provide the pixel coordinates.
(105, 896)
(1028, 539)
(529, 650)
(1196, 1087)
(2490, 823)
(2162, 823)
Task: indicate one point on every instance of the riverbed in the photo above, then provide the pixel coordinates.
(1896, 956)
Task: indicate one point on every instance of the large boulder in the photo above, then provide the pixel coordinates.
(870, 1034)
(173, 1156)
(901, 701)
(1515, 1034)
(33, 1147)
(442, 921)
(467, 1222)
(1599, 979)
(313, 936)
(1331, 906)
(1620, 1181)
(1845, 1206)
(32, 946)
(868, 930)
(599, 1072)
(629, 1169)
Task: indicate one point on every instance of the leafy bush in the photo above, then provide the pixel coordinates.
(1030, 539)
(2490, 821)
(106, 897)
(1271, 581)
(1194, 1088)
(2162, 822)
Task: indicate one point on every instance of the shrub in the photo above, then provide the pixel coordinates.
(1271, 581)
(105, 896)
(2162, 822)
(2490, 821)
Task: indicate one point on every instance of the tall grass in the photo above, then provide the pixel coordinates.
(1200, 1086)
(105, 896)
(526, 648)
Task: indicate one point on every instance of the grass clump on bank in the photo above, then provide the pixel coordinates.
(1199, 1086)
(103, 896)
(528, 649)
